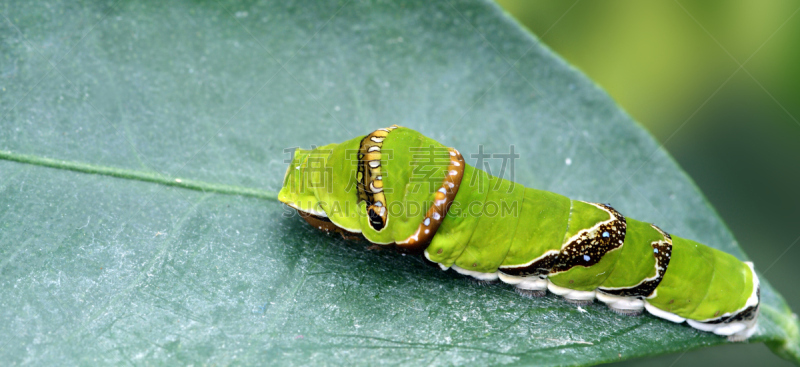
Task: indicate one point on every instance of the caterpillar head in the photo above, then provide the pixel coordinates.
(393, 186)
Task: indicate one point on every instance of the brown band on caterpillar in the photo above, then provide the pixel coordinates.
(585, 249)
(662, 251)
(539, 267)
(419, 241)
(588, 246)
(370, 180)
(324, 224)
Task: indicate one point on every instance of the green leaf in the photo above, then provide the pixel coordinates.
(143, 143)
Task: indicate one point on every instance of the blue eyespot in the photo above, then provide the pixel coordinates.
(586, 258)
(606, 234)
(655, 250)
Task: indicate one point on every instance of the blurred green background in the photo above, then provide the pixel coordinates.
(675, 67)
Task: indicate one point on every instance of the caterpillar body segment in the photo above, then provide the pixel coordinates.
(398, 188)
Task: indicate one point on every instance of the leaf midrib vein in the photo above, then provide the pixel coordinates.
(136, 175)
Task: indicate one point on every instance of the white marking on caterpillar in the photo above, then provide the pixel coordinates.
(663, 314)
(475, 274)
(570, 294)
(533, 283)
(622, 304)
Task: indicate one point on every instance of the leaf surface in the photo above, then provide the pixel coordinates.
(143, 143)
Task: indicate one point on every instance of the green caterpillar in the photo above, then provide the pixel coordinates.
(398, 188)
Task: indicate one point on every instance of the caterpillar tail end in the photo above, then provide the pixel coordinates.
(742, 325)
(750, 321)
(738, 326)
(737, 331)
(744, 334)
